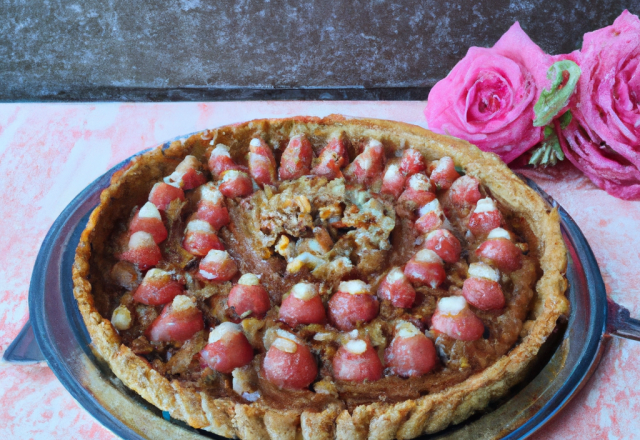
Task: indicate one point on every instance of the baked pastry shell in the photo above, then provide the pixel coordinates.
(404, 420)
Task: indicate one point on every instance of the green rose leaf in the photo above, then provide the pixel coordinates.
(549, 151)
(565, 119)
(553, 100)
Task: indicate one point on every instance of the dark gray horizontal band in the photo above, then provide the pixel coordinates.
(215, 94)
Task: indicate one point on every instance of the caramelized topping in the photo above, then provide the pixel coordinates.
(312, 252)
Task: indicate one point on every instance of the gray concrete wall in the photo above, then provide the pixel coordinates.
(202, 49)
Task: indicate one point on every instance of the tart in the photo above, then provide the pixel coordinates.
(323, 278)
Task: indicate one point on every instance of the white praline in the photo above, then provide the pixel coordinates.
(155, 274)
(451, 305)
(286, 345)
(432, 206)
(249, 279)
(141, 239)
(485, 205)
(443, 164)
(149, 210)
(231, 175)
(395, 275)
(499, 233)
(211, 194)
(405, 329)
(419, 182)
(427, 256)
(216, 256)
(392, 171)
(220, 150)
(354, 287)
(356, 346)
(304, 291)
(199, 226)
(220, 331)
(482, 270)
(183, 302)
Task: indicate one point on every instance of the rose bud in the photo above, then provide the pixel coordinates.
(351, 304)
(142, 251)
(500, 252)
(289, 363)
(217, 266)
(482, 289)
(332, 158)
(411, 353)
(157, 288)
(162, 194)
(178, 321)
(426, 268)
(262, 164)
(296, 158)
(357, 361)
(454, 318)
(188, 174)
(148, 219)
(302, 306)
(393, 180)
(200, 238)
(211, 207)
(485, 218)
(248, 298)
(443, 173)
(464, 192)
(368, 165)
(228, 348)
(431, 217)
(412, 162)
(236, 184)
(418, 193)
(220, 161)
(445, 244)
(396, 288)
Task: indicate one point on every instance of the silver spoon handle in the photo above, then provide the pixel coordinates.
(620, 322)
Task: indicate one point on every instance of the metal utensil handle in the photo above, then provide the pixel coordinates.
(620, 323)
(24, 348)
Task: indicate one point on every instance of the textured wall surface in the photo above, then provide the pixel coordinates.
(185, 49)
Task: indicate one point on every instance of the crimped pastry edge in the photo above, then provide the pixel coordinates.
(403, 420)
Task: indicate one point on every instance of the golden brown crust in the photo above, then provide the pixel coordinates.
(404, 420)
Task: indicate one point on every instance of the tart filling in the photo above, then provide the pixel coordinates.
(319, 272)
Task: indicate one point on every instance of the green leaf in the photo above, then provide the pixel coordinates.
(460, 170)
(553, 100)
(565, 119)
(548, 131)
(536, 156)
(549, 151)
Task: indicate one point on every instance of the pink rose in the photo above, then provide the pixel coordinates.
(604, 135)
(488, 97)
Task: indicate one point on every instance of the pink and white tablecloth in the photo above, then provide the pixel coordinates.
(50, 152)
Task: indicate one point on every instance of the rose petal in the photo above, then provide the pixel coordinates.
(606, 169)
(603, 54)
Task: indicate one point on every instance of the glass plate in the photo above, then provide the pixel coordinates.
(565, 363)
